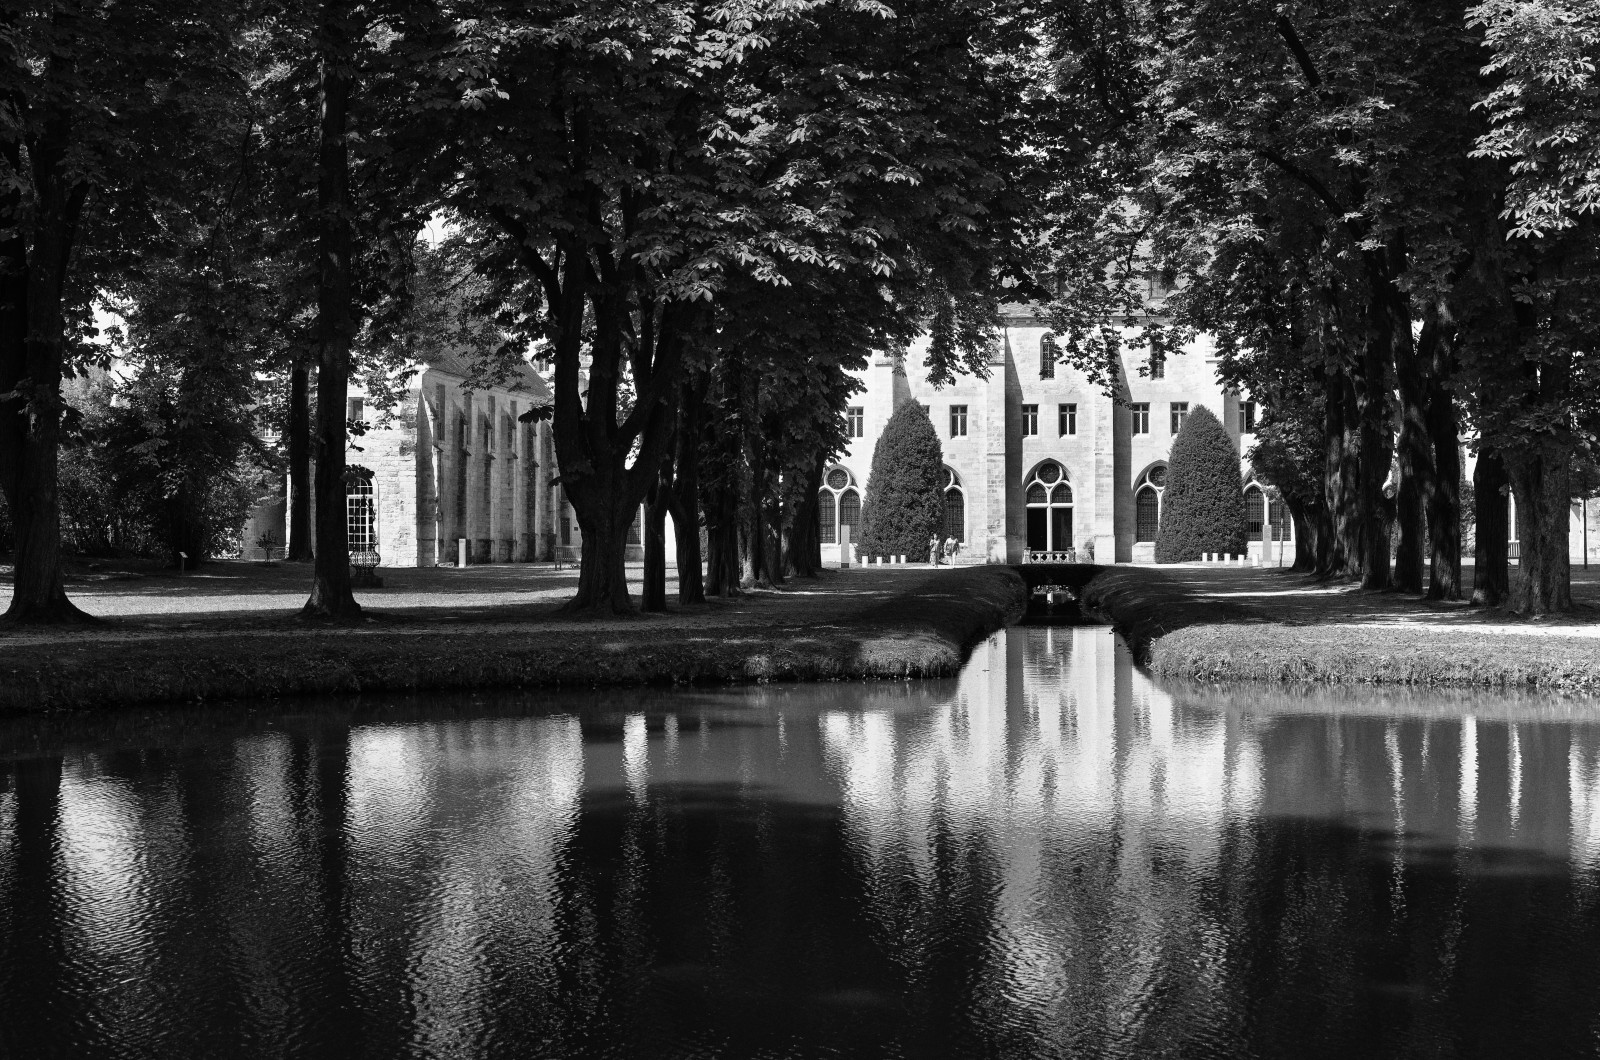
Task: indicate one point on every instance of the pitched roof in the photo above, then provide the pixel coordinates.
(458, 362)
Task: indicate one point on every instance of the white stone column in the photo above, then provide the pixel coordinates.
(996, 486)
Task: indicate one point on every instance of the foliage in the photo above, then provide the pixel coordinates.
(1202, 509)
(903, 505)
(1544, 106)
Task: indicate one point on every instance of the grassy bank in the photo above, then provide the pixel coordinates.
(1275, 626)
(914, 624)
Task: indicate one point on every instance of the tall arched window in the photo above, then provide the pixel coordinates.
(361, 513)
(838, 504)
(1049, 499)
(1049, 353)
(850, 512)
(955, 508)
(1147, 503)
(1255, 511)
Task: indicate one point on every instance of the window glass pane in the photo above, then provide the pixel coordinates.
(1254, 512)
(1068, 417)
(827, 517)
(1038, 494)
(1049, 473)
(1062, 493)
(361, 516)
(955, 514)
(850, 512)
(1147, 515)
(838, 478)
(1047, 356)
(1060, 528)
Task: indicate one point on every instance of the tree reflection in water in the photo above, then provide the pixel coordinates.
(1050, 856)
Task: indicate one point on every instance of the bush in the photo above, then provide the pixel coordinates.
(1203, 509)
(904, 505)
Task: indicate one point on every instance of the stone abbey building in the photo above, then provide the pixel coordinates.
(1039, 460)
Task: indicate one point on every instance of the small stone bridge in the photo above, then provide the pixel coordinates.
(1048, 581)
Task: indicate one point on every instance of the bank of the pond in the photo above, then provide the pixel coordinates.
(850, 626)
(1214, 624)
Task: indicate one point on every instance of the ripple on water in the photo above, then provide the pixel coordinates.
(1049, 857)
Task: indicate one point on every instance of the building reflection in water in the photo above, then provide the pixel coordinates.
(1051, 856)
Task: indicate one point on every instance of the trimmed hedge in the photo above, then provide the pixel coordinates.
(904, 506)
(1203, 508)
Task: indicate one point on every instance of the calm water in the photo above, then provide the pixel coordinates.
(1049, 857)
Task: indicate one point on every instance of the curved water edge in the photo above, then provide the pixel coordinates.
(1050, 855)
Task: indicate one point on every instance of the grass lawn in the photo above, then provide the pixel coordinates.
(230, 630)
(1218, 623)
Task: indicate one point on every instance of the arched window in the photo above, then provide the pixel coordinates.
(1147, 502)
(1147, 514)
(838, 504)
(1049, 353)
(1049, 497)
(1255, 511)
(955, 508)
(361, 514)
(850, 512)
(1280, 520)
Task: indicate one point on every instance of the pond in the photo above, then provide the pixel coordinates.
(1051, 856)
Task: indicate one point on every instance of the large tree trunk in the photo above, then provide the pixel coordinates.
(722, 542)
(1333, 558)
(752, 479)
(1492, 510)
(684, 496)
(298, 430)
(603, 566)
(38, 590)
(1372, 412)
(1541, 481)
(1417, 390)
(653, 592)
(803, 555)
(331, 596)
(1444, 502)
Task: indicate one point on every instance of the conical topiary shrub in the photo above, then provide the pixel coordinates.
(1203, 507)
(903, 507)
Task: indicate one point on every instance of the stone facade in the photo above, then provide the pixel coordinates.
(449, 465)
(1003, 433)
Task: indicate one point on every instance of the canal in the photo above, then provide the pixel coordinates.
(1051, 856)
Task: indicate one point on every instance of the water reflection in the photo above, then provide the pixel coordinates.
(1050, 856)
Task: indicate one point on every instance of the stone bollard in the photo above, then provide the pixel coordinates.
(1207, 557)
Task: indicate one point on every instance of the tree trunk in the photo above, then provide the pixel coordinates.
(603, 567)
(684, 496)
(752, 479)
(331, 596)
(298, 430)
(39, 591)
(1541, 481)
(803, 556)
(1373, 425)
(1334, 557)
(1491, 557)
(1305, 539)
(1444, 502)
(1417, 388)
(653, 593)
(722, 542)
